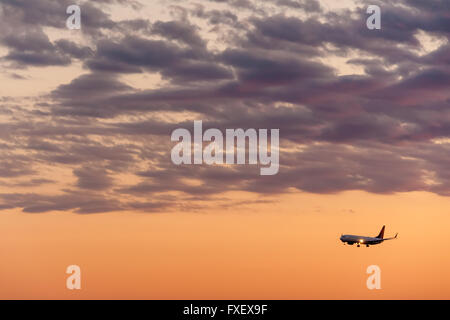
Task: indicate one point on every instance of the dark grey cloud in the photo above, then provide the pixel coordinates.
(33, 48)
(246, 4)
(70, 201)
(93, 178)
(274, 70)
(72, 49)
(306, 5)
(14, 166)
(216, 17)
(134, 54)
(179, 30)
(89, 86)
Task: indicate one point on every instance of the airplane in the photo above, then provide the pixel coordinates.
(368, 241)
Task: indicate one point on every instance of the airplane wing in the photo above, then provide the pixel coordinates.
(392, 238)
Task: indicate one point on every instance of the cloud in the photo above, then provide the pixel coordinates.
(93, 178)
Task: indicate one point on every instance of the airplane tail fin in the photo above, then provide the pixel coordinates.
(381, 234)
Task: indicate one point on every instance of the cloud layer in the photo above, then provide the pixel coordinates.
(357, 109)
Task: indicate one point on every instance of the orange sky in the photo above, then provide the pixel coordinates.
(287, 250)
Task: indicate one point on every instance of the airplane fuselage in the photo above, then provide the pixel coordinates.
(360, 240)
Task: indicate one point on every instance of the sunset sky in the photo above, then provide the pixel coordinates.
(86, 176)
